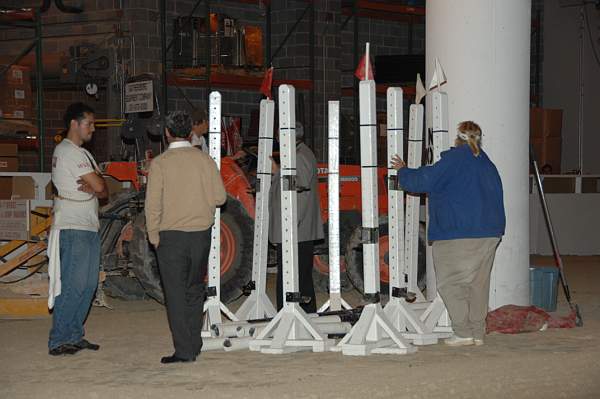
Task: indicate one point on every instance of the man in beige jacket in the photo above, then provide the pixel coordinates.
(184, 187)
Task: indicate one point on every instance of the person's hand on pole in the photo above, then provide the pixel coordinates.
(397, 162)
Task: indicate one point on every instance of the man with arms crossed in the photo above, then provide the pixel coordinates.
(74, 243)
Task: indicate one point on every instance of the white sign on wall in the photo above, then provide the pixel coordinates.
(139, 97)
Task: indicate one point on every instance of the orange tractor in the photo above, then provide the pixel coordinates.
(127, 253)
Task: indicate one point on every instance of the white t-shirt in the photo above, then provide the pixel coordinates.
(73, 209)
(200, 141)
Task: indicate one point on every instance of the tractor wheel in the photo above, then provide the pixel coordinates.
(143, 260)
(354, 258)
(348, 220)
(237, 230)
(236, 254)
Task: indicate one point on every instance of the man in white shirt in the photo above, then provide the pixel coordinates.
(199, 129)
(74, 272)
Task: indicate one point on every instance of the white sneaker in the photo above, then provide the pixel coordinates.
(477, 342)
(458, 341)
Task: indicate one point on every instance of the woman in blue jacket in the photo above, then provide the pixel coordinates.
(466, 222)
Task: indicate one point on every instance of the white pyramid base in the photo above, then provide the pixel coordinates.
(338, 300)
(405, 320)
(212, 315)
(256, 306)
(291, 330)
(374, 333)
(435, 317)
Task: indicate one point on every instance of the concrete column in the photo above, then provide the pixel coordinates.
(483, 46)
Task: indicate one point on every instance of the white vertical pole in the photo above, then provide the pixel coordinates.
(290, 330)
(368, 172)
(213, 306)
(395, 143)
(411, 247)
(374, 332)
(492, 90)
(335, 301)
(258, 305)
(214, 150)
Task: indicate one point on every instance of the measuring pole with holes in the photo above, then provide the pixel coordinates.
(258, 305)
(335, 301)
(213, 305)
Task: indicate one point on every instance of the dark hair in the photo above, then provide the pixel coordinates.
(179, 124)
(76, 111)
(199, 115)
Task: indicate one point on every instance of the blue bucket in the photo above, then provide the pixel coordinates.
(543, 287)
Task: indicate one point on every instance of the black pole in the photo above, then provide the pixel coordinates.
(163, 40)
(356, 149)
(39, 67)
(268, 34)
(208, 51)
(311, 71)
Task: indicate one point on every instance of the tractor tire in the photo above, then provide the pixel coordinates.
(348, 220)
(236, 254)
(144, 263)
(354, 258)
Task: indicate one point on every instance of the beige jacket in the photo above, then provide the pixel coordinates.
(184, 188)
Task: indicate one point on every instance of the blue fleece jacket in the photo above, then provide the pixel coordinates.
(465, 195)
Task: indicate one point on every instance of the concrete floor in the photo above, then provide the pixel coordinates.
(549, 364)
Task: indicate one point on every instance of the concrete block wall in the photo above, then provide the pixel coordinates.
(334, 63)
(95, 25)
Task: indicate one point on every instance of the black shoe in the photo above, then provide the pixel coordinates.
(85, 344)
(66, 349)
(176, 359)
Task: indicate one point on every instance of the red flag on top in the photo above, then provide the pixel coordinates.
(265, 87)
(360, 69)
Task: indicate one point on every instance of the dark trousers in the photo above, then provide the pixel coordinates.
(305, 268)
(183, 262)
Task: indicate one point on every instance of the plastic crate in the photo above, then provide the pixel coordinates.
(543, 284)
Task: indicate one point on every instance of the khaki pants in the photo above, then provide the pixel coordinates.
(462, 269)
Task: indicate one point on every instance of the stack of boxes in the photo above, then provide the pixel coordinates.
(16, 99)
(8, 163)
(545, 129)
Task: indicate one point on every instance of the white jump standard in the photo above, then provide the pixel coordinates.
(335, 301)
(373, 333)
(398, 309)
(213, 305)
(258, 305)
(291, 329)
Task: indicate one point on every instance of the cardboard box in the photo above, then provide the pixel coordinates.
(14, 220)
(545, 122)
(5, 187)
(17, 96)
(14, 112)
(20, 187)
(253, 45)
(558, 185)
(9, 164)
(9, 150)
(18, 75)
(547, 154)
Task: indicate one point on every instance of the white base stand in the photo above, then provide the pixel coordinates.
(405, 320)
(257, 306)
(334, 303)
(436, 318)
(374, 333)
(212, 315)
(290, 331)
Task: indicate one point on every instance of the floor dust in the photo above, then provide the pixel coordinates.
(134, 335)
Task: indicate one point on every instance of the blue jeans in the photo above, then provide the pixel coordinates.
(79, 268)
